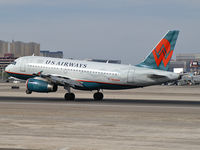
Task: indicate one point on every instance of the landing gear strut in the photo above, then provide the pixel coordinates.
(98, 96)
(69, 95)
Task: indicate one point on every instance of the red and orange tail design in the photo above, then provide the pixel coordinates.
(161, 55)
(163, 52)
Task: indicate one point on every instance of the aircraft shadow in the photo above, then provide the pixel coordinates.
(105, 101)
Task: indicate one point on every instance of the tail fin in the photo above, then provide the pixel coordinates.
(161, 55)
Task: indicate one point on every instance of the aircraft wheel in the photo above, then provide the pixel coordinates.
(98, 96)
(70, 96)
(28, 91)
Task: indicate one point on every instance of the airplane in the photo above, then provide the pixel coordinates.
(45, 74)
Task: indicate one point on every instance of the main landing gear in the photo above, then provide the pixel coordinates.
(98, 96)
(71, 96)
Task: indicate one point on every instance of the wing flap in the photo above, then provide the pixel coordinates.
(64, 81)
(59, 80)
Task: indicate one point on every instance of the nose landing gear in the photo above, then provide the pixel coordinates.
(28, 91)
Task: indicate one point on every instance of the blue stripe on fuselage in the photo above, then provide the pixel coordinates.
(88, 85)
(20, 76)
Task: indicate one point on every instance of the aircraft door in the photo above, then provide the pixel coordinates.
(23, 66)
(130, 77)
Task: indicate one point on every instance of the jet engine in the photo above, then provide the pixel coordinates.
(39, 84)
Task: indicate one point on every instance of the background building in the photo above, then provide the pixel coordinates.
(3, 48)
(10, 51)
(188, 61)
(46, 53)
(19, 48)
(6, 60)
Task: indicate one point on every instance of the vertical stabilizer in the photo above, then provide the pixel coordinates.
(160, 56)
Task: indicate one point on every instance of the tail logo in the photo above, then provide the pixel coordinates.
(163, 52)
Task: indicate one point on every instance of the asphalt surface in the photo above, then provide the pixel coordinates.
(152, 118)
(49, 100)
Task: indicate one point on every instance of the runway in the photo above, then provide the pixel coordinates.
(49, 100)
(47, 121)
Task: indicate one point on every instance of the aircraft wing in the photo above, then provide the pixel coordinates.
(59, 80)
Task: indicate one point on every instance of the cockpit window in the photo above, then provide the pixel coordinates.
(14, 63)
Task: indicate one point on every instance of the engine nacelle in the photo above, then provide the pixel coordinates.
(39, 84)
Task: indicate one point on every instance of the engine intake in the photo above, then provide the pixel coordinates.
(40, 85)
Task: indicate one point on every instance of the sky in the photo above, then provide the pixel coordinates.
(105, 29)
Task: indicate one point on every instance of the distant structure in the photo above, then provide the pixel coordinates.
(3, 48)
(9, 51)
(46, 53)
(188, 61)
(6, 60)
(19, 48)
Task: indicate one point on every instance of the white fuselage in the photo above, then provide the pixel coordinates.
(96, 75)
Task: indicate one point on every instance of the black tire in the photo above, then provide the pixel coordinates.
(67, 96)
(28, 91)
(98, 96)
(70, 96)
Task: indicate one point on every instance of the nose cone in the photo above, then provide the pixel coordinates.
(7, 69)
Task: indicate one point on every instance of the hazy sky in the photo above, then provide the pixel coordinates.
(107, 29)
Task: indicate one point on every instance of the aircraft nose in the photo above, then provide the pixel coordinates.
(7, 68)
